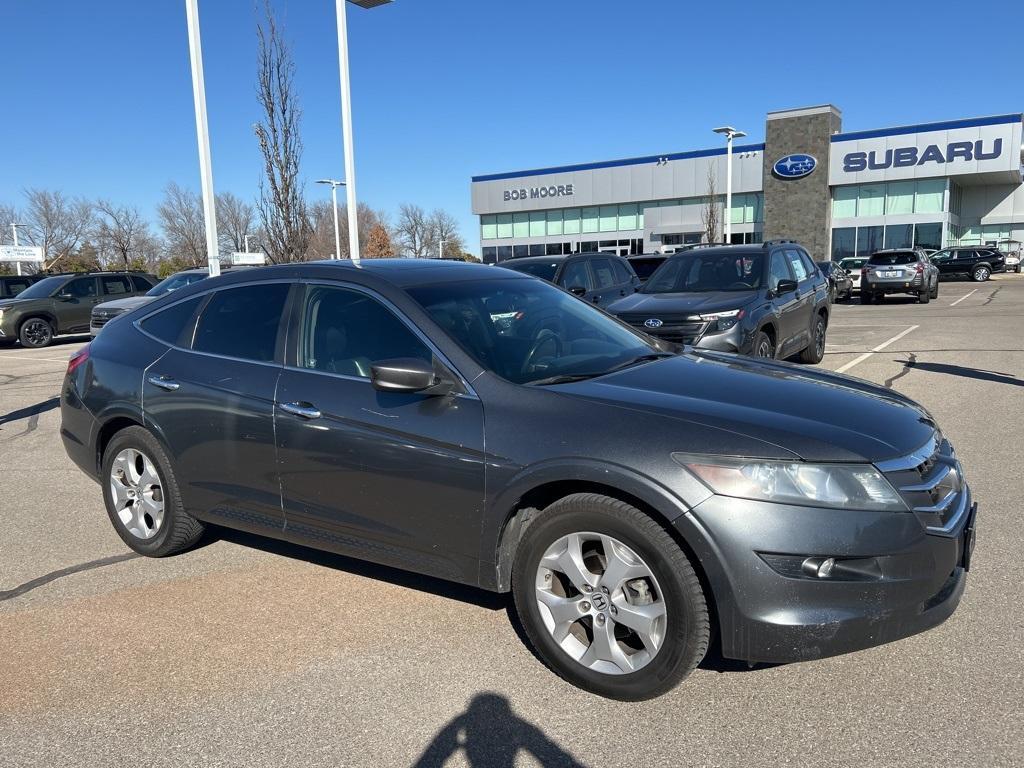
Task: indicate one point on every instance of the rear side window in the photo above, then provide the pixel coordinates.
(16, 286)
(82, 288)
(168, 324)
(622, 274)
(242, 322)
(116, 285)
(800, 270)
(604, 273)
(576, 275)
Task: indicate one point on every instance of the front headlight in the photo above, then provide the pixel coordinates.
(723, 321)
(842, 486)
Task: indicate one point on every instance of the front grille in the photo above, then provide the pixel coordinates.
(931, 483)
(681, 329)
(99, 319)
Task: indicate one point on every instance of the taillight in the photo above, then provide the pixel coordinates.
(920, 268)
(864, 270)
(77, 359)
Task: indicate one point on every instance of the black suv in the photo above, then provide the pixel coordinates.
(767, 300)
(899, 270)
(635, 502)
(977, 262)
(600, 278)
(12, 285)
(62, 304)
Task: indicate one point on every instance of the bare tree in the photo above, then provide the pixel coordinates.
(281, 205)
(8, 216)
(413, 231)
(56, 223)
(183, 225)
(444, 239)
(709, 214)
(119, 230)
(235, 220)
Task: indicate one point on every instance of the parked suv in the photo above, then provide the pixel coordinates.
(634, 500)
(600, 278)
(108, 310)
(62, 304)
(767, 300)
(977, 262)
(899, 270)
(12, 285)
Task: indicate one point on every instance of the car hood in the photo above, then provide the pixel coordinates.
(14, 302)
(126, 304)
(770, 409)
(696, 303)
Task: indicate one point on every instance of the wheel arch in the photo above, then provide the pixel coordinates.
(110, 424)
(42, 314)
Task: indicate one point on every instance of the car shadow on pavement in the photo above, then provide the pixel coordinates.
(490, 735)
(968, 373)
(29, 410)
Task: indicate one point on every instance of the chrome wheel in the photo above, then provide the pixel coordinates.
(601, 603)
(764, 349)
(136, 492)
(981, 275)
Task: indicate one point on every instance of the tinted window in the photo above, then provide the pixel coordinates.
(82, 287)
(604, 274)
(45, 287)
(622, 274)
(17, 285)
(808, 264)
(644, 268)
(542, 269)
(698, 271)
(851, 264)
(779, 270)
(167, 324)
(115, 285)
(890, 259)
(142, 283)
(174, 282)
(242, 322)
(346, 331)
(576, 275)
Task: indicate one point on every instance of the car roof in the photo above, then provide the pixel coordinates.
(719, 250)
(539, 259)
(895, 250)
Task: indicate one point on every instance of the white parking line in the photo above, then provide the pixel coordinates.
(879, 348)
(33, 357)
(963, 297)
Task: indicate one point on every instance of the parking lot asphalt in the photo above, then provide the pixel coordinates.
(249, 652)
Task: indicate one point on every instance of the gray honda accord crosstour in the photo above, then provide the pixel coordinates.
(478, 425)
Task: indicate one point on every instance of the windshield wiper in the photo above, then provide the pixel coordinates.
(565, 378)
(640, 359)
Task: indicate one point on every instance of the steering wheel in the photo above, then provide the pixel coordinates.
(739, 284)
(544, 336)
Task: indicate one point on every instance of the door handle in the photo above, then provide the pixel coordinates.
(305, 410)
(164, 383)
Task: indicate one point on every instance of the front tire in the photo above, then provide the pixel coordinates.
(35, 333)
(142, 496)
(935, 290)
(762, 346)
(924, 296)
(814, 352)
(608, 599)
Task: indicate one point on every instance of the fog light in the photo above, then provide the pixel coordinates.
(820, 567)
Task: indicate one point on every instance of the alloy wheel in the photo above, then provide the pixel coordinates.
(136, 491)
(764, 349)
(37, 332)
(981, 275)
(601, 603)
(819, 339)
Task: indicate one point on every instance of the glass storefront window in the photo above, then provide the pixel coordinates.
(504, 226)
(844, 242)
(844, 204)
(537, 250)
(869, 240)
(899, 235)
(899, 197)
(488, 227)
(627, 216)
(538, 221)
(520, 225)
(737, 212)
(504, 251)
(609, 218)
(518, 251)
(928, 197)
(554, 222)
(571, 221)
(489, 255)
(871, 200)
(590, 216)
(928, 235)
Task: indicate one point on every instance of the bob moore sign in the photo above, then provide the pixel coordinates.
(535, 193)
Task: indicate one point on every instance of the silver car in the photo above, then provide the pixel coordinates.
(899, 270)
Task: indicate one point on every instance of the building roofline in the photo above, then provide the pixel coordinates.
(970, 122)
(615, 163)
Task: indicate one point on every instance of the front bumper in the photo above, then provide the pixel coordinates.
(893, 577)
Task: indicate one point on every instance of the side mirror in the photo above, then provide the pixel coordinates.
(64, 296)
(407, 374)
(786, 286)
(578, 290)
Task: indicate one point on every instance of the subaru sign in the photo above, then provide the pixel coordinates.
(877, 160)
(794, 166)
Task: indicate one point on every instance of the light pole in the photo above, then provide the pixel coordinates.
(334, 204)
(346, 120)
(195, 50)
(730, 133)
(14, 232)
(440, 248)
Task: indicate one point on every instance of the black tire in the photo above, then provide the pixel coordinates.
(924, 296)
(687, 626)
(981, 273)
(814, 352)
(35, 333)
(762, 346)
(178, 530)
(935, 290)
(866, 297)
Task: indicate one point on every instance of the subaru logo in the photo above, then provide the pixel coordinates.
(794, 166)
(653, 323)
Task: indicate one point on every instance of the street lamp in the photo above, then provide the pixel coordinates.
(730, 133)
(334, 202)
(14, 232)
(346, 120)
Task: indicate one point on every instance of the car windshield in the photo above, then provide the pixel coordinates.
(851, 264)
(892, 259)
(644, 268)
(530, 332)
(174, 282)
(542, 269)
(43, 288)
(701, 271)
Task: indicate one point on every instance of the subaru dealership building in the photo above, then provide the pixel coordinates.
(839, 193)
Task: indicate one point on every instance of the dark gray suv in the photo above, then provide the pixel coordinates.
(482, 426)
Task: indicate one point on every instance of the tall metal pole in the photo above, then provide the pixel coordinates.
(728, 188)
(346, 131)
(440, 249)
(337, 232)
(203, 133)
(14, 230)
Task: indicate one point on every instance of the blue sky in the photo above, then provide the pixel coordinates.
(445, 89)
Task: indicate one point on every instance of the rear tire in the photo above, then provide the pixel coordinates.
(142, 496)
(981, 274)
(924, 296)
(35, 333)
(814, 352)
(652, 577)
(935, 290)
(866, 297)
